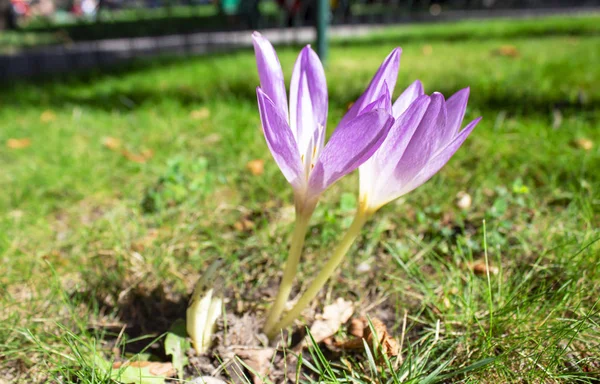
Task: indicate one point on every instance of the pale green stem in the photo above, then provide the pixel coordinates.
(291, 268)
(327, 271)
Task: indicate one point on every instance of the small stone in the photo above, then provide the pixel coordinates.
(463, 200)
(363, 267)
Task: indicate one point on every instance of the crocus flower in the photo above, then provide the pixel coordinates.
(296, 136)
(425, 135)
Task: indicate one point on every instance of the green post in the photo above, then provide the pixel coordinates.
(322, 22)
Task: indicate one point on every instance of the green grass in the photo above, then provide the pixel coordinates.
(12, 41)
(91, 241)
(491, 29)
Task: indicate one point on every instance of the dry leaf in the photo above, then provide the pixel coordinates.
(481, 269)
(334, 315)
(141, 244)
(111, 143)
(141, 157)
(388, 344)
(243, 225)
(47, 116)
(18, 143)
(507, 50)
(582, 143)
(200, 114)
(256, 167)
(463, 200)
(155, 368)
(212, 138)
(357, 327)
(427, 50)
(259, 359)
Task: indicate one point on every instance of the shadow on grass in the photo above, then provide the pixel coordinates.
(509, 99)
(145, 314)
(513, 95)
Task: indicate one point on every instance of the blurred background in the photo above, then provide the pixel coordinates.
(54, 36)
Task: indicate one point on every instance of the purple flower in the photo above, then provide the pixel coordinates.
(296, 137)
(425, 135)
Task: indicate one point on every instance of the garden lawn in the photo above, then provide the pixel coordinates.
(118, 190)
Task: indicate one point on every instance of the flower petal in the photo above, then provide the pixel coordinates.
(424, 143)
(366, 176)
(280, 140)
(392, 150)
(386, 74)
(383, 101)
(441, 158)
(270, 73)
(350, 145)
(456, 105)
(407, 97)
(377, 183)
(308, 96)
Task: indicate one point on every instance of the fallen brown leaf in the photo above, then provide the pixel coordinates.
(154, 367)
(388, 344)
(583, 143)
(141, 157)
(212, 138)
(243, 225)
(141, 244)
(507, 50)
(47, 116)
(481, 269)
(111, 143)
(256, 167)
(334, 315)
(18, 143)
(356, 327)
(199, 114)
(259, 359)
